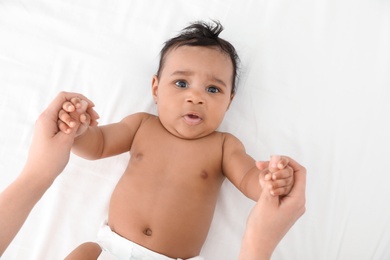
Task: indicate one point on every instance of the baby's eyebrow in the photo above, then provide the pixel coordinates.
(182, 72)
(190, 73)
(220, 81)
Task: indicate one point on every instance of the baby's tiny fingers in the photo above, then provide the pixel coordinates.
(68, 106)
(280, 183)
(66, 118)
(63, 127)
(279, 191)
(85, 119)
(76, 101)
(282, 174)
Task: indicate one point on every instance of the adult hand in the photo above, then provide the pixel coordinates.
(50, 148)
(273, 216)
(48, 155)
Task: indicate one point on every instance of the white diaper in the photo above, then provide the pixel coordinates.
(116, 247)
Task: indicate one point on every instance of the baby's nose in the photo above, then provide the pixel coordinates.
(195, 97)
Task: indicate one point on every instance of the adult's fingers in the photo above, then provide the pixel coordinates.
(297, 197)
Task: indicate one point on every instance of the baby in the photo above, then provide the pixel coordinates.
(163, 204)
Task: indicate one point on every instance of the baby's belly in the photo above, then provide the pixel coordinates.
(167, 216)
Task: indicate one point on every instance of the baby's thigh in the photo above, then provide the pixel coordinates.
(85, 251)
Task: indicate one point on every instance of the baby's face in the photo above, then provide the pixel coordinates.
(194, 90)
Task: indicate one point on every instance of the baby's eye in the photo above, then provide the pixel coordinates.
(181, 84)
(213, 90)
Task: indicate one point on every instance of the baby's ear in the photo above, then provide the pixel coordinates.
(155, 88)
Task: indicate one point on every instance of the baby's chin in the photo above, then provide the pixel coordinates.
(196, 129)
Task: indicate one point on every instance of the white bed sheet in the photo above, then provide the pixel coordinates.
(315, 85)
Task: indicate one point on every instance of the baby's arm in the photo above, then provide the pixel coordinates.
(95, 142)
(241, 169)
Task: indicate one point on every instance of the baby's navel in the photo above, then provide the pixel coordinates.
(148, 232)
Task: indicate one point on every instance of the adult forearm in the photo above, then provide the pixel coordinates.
(254, 248)
(16, 202)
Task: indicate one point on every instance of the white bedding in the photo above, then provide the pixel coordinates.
(315, 85)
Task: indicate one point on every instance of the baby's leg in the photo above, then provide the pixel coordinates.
(85, 251)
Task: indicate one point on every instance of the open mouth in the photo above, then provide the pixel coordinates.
(192, 119)
(192, 116)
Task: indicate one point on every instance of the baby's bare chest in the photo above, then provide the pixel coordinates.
(158, 152)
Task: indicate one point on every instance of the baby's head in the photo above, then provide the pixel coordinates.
(204, 35)
(195, 82)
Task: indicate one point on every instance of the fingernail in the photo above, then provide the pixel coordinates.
(280, 165)
(83, 102)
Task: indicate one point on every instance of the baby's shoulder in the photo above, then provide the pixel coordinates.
(137, 120)
(138, 117)
(230, 141)
(227, 136)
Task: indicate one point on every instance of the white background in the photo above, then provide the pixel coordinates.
(315, 85)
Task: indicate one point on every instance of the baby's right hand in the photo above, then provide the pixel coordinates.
(75, 115)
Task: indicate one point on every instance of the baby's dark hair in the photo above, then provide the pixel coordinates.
(202, 34)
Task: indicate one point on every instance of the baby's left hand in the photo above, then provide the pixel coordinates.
(281, 176)
(76, 113)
